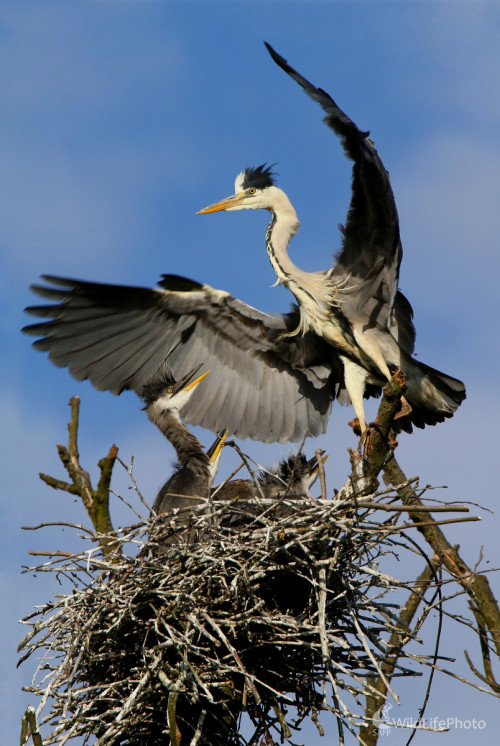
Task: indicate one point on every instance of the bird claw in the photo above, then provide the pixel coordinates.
(405, 410)
(363, 435)
(356, 426)
(364, 442)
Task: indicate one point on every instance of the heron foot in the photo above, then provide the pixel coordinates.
(364, 441)
(356, 426)
(406, 409)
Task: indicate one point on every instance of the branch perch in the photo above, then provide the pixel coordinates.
(483, 603)
(379, 456)
(96, 501)
(375, 699)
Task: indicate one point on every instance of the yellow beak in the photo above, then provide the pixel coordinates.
(196, 381)
(224, 204)
(214, 456)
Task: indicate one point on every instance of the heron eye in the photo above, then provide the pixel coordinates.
(252, 190)
(170, 390)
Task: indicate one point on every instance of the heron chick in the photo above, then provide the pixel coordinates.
(189, 485)
(291, 479)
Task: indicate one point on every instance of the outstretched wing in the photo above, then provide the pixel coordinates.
(261, 385)
(369, 260)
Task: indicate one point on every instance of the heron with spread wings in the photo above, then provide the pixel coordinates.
(274, 376)
(356, 305)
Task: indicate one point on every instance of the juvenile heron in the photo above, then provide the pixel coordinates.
(292, 479)
(190, 484)
(355, 306)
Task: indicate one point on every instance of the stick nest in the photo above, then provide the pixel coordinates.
(276, 610)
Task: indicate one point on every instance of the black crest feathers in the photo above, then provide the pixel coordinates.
(259, 177)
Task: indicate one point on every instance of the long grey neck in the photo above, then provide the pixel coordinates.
(284, 224)
(189, 450)
(313, 290)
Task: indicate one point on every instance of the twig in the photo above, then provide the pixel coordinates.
(96, 501)
(29, 728)
(396, 642)
(236, 657)
(321, 471)
(475, 584)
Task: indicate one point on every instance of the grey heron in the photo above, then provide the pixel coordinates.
(190, 483)
(355, 306)
(269, 381)
(263, 384)
(292, 478)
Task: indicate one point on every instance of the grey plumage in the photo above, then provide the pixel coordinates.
(263, 385)
(274, 376)
(291, 479)
(189, 485)
(366, 274)
(356, 305)
(193, 475)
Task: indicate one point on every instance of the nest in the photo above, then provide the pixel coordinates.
(276, 611)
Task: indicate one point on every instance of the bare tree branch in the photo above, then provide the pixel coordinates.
(96, 501)
(398, 639)
(483, 602)
(29, 727)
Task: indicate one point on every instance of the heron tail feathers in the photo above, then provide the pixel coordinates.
(434, 396)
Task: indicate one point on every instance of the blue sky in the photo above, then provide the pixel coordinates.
(119, 120)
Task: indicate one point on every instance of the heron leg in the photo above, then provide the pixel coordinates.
(371, 348)
(406, 407)
(355, 382)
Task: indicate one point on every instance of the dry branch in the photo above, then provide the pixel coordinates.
(96, 501)
(482, 601)
(375, 699)
(379, 456)
(29, 728)
(172, 642)
(279, 613)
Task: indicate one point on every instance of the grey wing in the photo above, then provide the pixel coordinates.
(371, 253)
(260, 386)
(401, 323)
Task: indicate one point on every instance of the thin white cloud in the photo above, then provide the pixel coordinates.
(449, 193)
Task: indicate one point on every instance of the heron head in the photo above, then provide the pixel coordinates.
(214, 452)
(164, 392)
(301, 473)
(253, 189)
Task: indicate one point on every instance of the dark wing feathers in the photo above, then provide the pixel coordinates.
(402, 328)
(123, 337)
(367, 267)
(371, 242)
